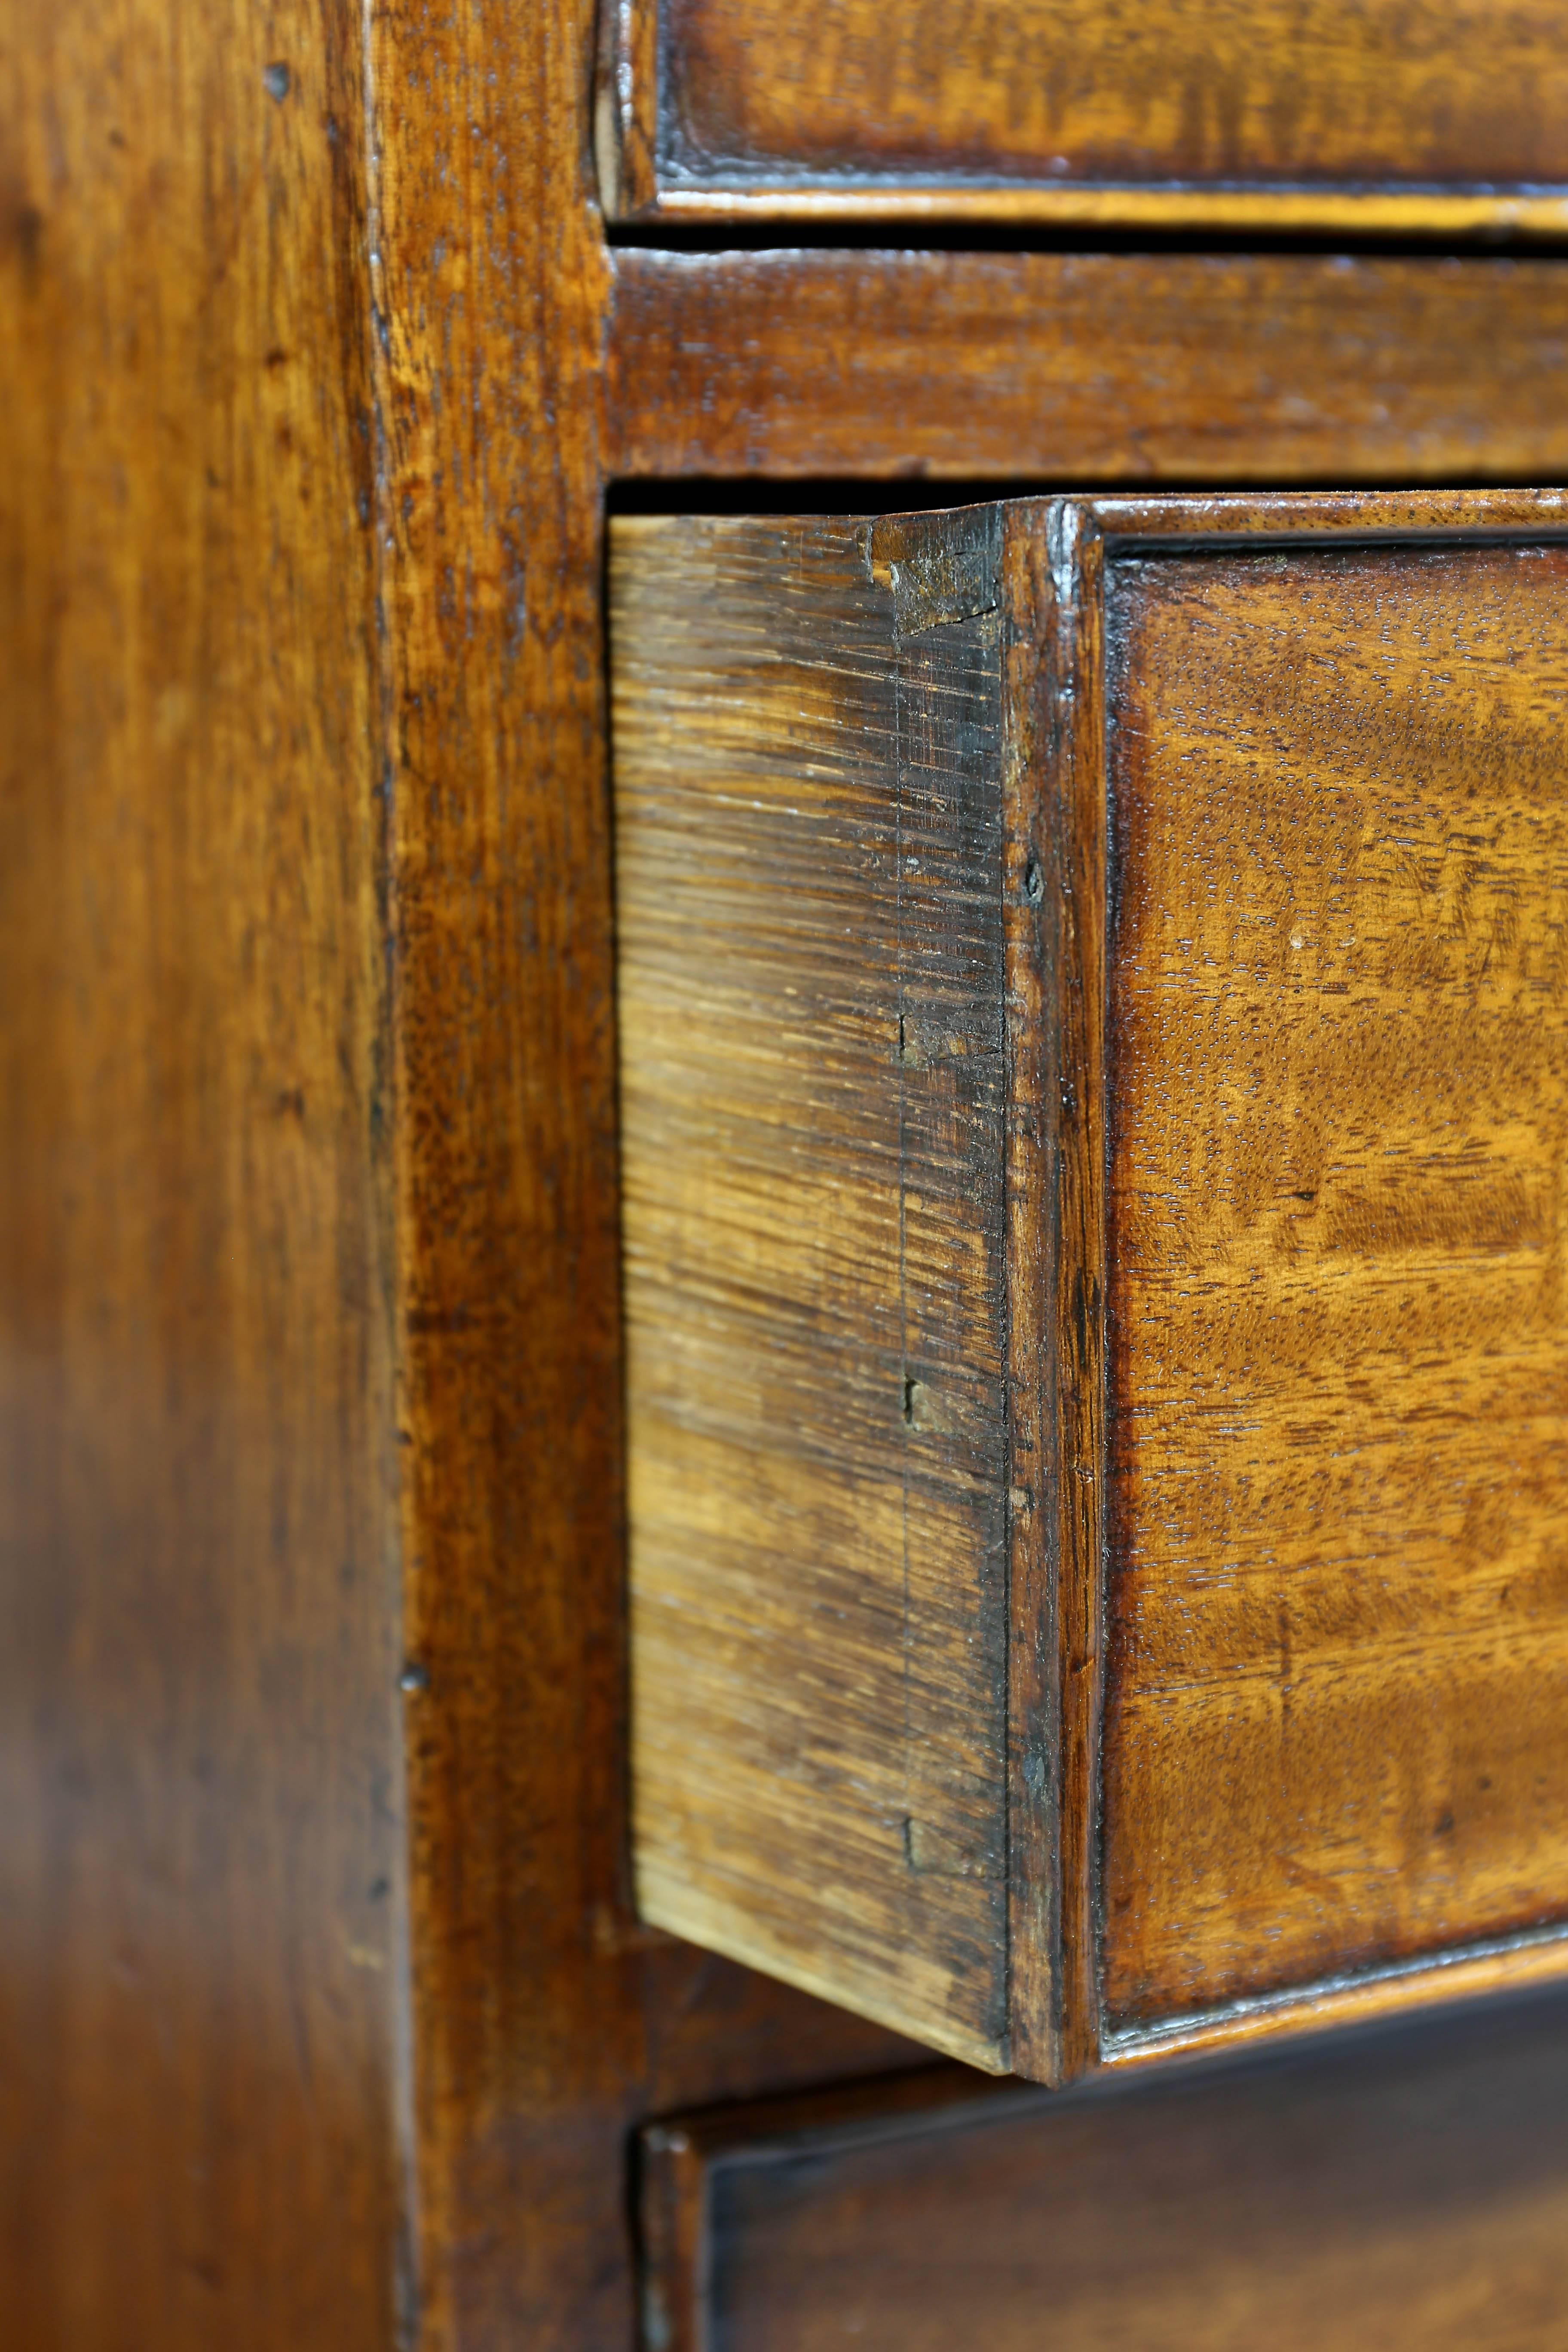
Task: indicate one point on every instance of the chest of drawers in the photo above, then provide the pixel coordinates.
(507, 1414)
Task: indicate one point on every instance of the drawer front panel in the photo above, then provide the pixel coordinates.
(1235, 104)
(1337, 1683)
(1406, 2189)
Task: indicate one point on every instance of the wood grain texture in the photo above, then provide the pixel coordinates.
(1230, 111)
(546, 2021)
(211, 704)
(1406, 2188)
(490, 284)
(1392, 529)
(1086, 368)
(1276, 1382)
(201, 1835)
(205, 2027)
(808, 853)
(1340, 1660)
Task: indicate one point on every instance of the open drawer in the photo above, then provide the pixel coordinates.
(1094, 1040)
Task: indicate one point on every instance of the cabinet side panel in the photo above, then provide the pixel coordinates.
(807, 809)
(1337, 1710)
(202, 1876)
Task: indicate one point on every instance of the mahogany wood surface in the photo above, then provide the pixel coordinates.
(1286, 1042)
(202, 1874)
(1385, 2189)
(1085, 367)
(1260, 112)
(242, 483)
(318, 367)
(1337, 1727)
(545, 2021)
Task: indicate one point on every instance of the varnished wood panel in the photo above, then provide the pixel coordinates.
(202, 1876)
(1100, 367)
(169, 222)
(1338, 1677)
(1403, 2188)
(808, 862)
(1227, 112)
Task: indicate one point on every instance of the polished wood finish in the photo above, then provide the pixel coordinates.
(318, 367)
(202, 1874)
(1085, 367)
(1338, 1675)
(233, 1140)
(545, 2021)
(1268, 1166)
(1402, 2188)
(1227, 114)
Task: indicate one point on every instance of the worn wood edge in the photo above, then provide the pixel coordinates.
(911, 1999)
(1525, 212)
(626, 125)
(1371, 517)
(701, 1918)
(1033, 1031)
(1075, 885)
(674, 2248)
(1517, 1965)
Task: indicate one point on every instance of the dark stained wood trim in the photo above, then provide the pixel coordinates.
(626, 110)
(490, 288)
(812, 213)
(1074, 882)
(674, 2253)
(677, 2160)
(1084, 368)
(1032, 970)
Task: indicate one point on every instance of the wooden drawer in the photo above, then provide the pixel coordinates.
(1408, 2188)
(1368, 114)
(1094, 1046)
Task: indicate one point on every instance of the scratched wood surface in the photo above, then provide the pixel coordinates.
(1404, 2187)
(808, 836)
(1338, 1675)
(1230, 111)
